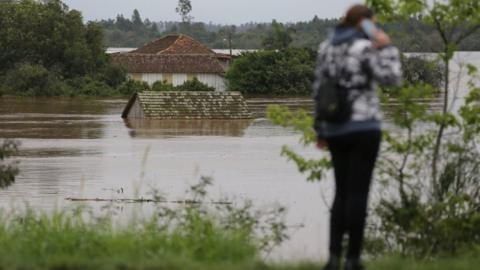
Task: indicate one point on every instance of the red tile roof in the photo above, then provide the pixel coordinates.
(174, 44)
(165, 63)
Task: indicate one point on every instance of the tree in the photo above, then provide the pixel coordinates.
(430, 161)
(279, 37)
(454, 21)
(48, 50)
(286, 72)
(227, 32)
(136, 19)
(183, 9)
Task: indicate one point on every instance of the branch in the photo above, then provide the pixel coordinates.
(465, 35)
(440, 30)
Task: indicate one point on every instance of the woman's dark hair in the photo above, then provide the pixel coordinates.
(356, 14)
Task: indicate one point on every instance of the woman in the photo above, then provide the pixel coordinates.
(357, 56)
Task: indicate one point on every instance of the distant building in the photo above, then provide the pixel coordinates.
(112, 50)
(174, 59)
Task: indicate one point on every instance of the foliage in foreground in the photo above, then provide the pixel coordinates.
(197, 232)
(187, 237)
(195, 235)
(430, 163)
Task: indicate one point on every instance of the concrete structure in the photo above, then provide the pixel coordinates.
(186, 105)
(175, 59)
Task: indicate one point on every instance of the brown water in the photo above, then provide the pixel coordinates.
(83, 149)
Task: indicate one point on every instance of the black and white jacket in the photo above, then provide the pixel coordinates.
(362, 67)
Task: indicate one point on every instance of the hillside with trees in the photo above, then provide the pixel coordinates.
(413, 35)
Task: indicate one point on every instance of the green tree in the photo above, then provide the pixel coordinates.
(286, 72)
(137, 19)
(454, 21)
(431, 157)
(184, 9)
(279, 38)
(48, 42)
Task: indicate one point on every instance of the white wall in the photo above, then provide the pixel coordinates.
(213, 80)
(150, 78)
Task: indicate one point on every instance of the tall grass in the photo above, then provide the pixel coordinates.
(65, 240)
(195, 235)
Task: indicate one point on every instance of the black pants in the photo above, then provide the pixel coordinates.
(353, 158)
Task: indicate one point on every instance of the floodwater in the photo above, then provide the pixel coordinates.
(81, 148)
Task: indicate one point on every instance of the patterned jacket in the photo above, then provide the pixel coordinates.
(362, 66)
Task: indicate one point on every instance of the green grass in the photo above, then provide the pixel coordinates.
(75, 240)
(67, 241)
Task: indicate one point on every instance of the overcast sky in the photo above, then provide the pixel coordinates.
(217, 11)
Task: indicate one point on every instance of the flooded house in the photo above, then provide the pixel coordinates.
(175, 59)
(186, 105)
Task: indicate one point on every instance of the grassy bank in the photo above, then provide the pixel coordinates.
(192, 239)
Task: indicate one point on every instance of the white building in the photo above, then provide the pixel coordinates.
(175, 59)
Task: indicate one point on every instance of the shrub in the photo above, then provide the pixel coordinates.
(8, 171)
(91, 87)
(130, 87)
(112, 75)
(163, 86)
(194, 85)
(190, 85)
(285, 72)
(32, 80)
(419, 69)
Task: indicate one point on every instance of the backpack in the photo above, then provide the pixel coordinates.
(332, 101)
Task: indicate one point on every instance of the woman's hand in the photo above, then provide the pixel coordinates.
(322, 144)
(381, 39)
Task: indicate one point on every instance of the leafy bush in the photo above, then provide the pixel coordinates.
(419, 69)
(46, 46)
(130, 87)
(112, 75)
(194, 85)
(418, 228)
(32, 80)
(285, 72)
(47, 33)
(95, 88)
(189, 85)
(163, 86)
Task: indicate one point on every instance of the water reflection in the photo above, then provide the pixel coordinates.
(155, 128)
(54, 118)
